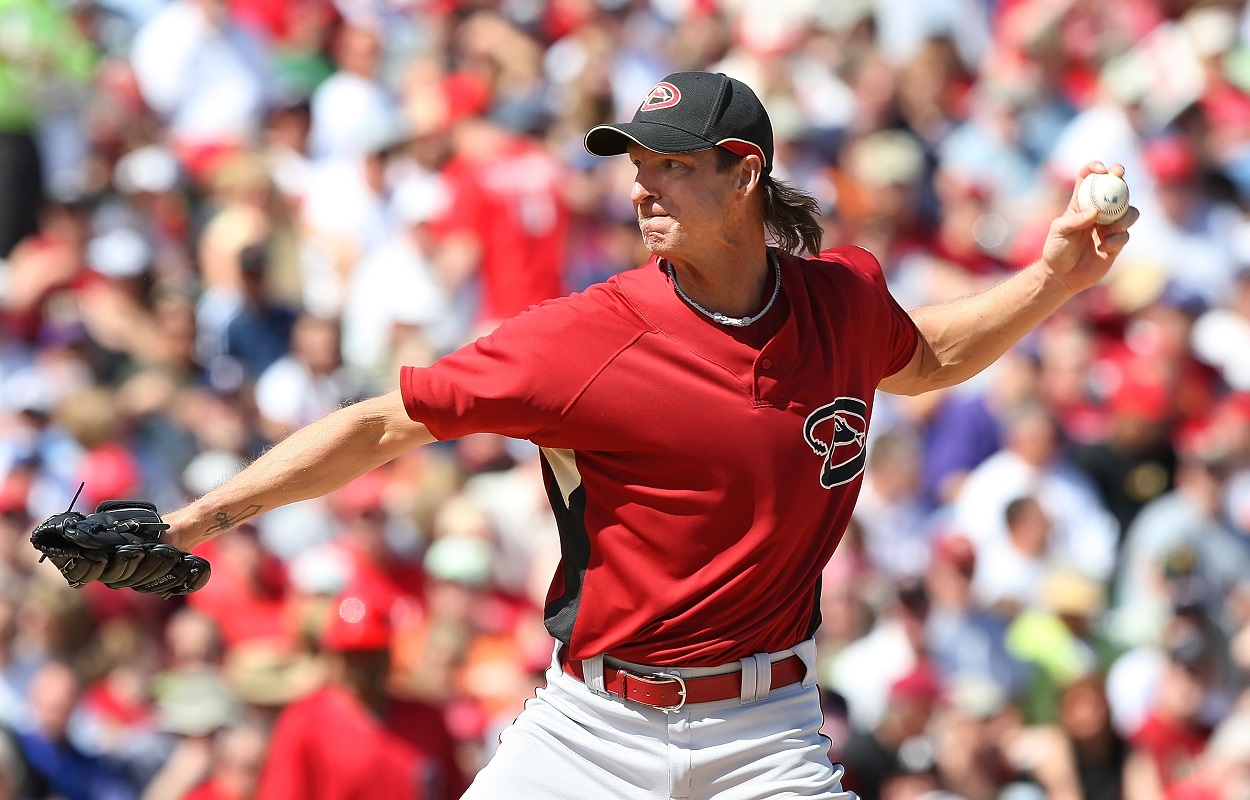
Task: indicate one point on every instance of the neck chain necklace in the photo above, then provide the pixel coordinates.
(716, 316)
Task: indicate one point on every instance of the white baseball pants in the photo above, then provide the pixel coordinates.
(570, 742)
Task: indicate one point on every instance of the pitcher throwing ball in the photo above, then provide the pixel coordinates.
(702, 421)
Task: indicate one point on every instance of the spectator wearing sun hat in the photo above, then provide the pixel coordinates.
(1060, 639)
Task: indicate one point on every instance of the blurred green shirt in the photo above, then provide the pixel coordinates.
(43, 56)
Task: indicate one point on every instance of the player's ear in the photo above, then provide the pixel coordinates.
(750, 173)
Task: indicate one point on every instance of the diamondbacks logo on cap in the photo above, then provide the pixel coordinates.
(662, 95)
(844, 457)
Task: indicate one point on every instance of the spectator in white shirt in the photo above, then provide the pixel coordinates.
(396, 286)
(306, 384)
(348, 104)
(1011, 571)
(201, 72)
(1033, 463)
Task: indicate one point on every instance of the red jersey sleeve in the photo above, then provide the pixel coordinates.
(892, 329)
(522, 378)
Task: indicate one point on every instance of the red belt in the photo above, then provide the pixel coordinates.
(670, 692)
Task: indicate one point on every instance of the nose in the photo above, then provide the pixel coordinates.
(640, 191)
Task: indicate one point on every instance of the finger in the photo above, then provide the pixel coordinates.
(198, 577)
(134, 563)
(1120, 226)
(95, 568)
(83, 569)
(193, 573)
(121, 564)
(1125, 222)
(1116, 169)
(1075, 221)
(75, 569)
(1090, 166)
(1112, 245)
(156, 563)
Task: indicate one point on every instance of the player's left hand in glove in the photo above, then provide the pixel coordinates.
(119, 545)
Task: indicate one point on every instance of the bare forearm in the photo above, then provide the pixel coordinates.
(311, 462)
(961, 337)
(964, 336)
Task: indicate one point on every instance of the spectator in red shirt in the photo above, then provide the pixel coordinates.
(247, 600)
(237, 756)
(351, 738)
(373, 564)
(1224, 770)
(508, 214)
(1169, 743)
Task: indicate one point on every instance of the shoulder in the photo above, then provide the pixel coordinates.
(601, 305)
(848, 278)
(563, 335)
(611, 304)
(848, 263)
(645, 279)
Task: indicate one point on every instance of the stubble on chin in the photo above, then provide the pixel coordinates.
(660, 242)
(654, 243)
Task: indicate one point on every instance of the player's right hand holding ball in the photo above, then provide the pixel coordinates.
(1084, 242)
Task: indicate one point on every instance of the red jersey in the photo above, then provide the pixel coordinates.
(244, 609)
(1174, 747)
(700, 480)
(212, 790)
(510, 201)
(327, 746)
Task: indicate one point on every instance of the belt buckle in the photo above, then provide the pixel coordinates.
(658, 678)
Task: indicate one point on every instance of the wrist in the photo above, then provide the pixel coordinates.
(1054, 284)
(182, 532)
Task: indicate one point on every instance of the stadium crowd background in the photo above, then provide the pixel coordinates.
(221, 219)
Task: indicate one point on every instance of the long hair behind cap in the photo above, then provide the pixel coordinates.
(792, 217)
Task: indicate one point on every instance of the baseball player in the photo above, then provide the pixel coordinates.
(702, 424)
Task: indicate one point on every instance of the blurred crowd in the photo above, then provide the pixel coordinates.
(222, 219)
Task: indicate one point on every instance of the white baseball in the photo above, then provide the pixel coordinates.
(1106, 192)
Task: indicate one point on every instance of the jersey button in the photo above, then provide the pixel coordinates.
(767, 363)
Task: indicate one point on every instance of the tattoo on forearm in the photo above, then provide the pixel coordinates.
(224, 520)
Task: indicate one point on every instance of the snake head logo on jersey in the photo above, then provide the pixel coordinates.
(838, 432)
(662, 95)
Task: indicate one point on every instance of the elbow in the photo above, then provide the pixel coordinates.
(914, 385)
(925, 373)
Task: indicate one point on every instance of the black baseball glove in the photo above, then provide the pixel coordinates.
(119, 545)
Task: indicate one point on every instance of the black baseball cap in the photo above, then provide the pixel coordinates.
(689, 111)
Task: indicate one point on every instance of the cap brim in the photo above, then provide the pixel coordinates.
(614, 140)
